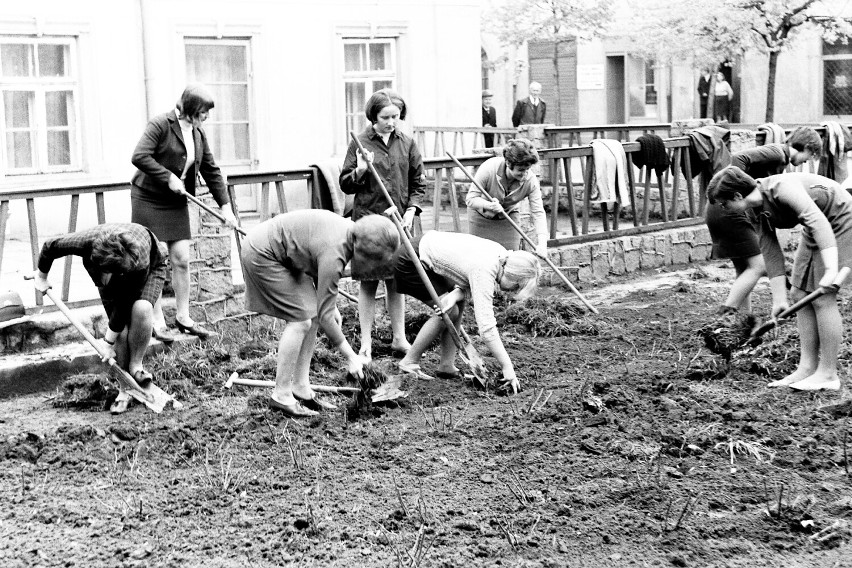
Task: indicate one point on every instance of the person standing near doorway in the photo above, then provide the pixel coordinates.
(722, 100)
(489, 116)
(704, 91)
(530, 110)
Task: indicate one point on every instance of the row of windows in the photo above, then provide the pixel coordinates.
(40, 113)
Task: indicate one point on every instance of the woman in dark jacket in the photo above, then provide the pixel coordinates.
(398, 161)
(167, 168)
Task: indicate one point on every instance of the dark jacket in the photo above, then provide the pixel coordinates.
(489, 118)
(704, 88)
(708, 151)
(762, 161)
(400, 166)
(161, 152)
(527, 113)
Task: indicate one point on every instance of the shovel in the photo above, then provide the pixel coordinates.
(754, 339)
(476, 364)
(524, 236)
(242, 233)
(151, 395)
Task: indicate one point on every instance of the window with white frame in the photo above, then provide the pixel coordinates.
(39, 114)
(368, 65)
(224, 67)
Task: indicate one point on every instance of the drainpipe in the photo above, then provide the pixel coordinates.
(145, 18)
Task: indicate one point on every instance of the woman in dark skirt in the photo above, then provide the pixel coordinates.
(292, 264)
(167, 167)
(128, 267)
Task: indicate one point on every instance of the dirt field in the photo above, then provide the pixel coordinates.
(630, 445)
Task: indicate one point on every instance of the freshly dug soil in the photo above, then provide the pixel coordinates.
(630, 445)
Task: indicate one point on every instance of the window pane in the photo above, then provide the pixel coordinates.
(231, 103)
(380, 84)
(57, 105)
(355, 98)
(216, 63)
(19, 149)
(19, 109)
(53, 60)
(837, 86)
(379, 56)
(59, 148)
(228, 142)
(837, 48)
(353, 57)
(16, 60)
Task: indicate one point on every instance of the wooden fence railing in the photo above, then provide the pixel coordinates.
(433, 141)
(562, 136)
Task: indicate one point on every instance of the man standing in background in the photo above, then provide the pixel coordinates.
(489, 116)
(530, 110)
(704, 91)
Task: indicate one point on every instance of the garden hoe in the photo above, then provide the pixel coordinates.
(754, 338)
(150, 395)
(524, 236)
(467, 352)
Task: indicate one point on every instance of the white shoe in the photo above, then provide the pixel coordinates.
(809, 385)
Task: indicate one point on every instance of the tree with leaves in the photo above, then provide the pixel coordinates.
(714, 31)
(515, 22)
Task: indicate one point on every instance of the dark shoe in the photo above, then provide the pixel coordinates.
(193, 329)
(315, 403)
(143, 378)
(162, 335)
(446, 375)
(291, 410)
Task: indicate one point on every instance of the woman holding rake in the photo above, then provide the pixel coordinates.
(825, 211)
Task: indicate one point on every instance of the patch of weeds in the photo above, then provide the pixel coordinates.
(550, 317)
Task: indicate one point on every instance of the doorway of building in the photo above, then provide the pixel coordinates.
(615, 102)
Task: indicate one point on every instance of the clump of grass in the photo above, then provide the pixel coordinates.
(550, 317)
(727, 333)
(85, 390)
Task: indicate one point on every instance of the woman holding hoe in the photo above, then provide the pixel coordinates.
(458, 266)
(398, 161)
(825, 211)
(292, 264)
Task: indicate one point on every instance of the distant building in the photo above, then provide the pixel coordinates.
(602, 83)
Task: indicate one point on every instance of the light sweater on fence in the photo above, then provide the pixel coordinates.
(610, 171)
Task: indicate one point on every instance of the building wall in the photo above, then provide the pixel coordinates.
(131, 60)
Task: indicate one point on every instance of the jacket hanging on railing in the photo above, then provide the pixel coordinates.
(774, 133)
(652, 153)
(708, 150)
(331, 196)
(835, 144)
(610, 172)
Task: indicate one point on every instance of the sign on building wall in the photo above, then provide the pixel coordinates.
(590, 76)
